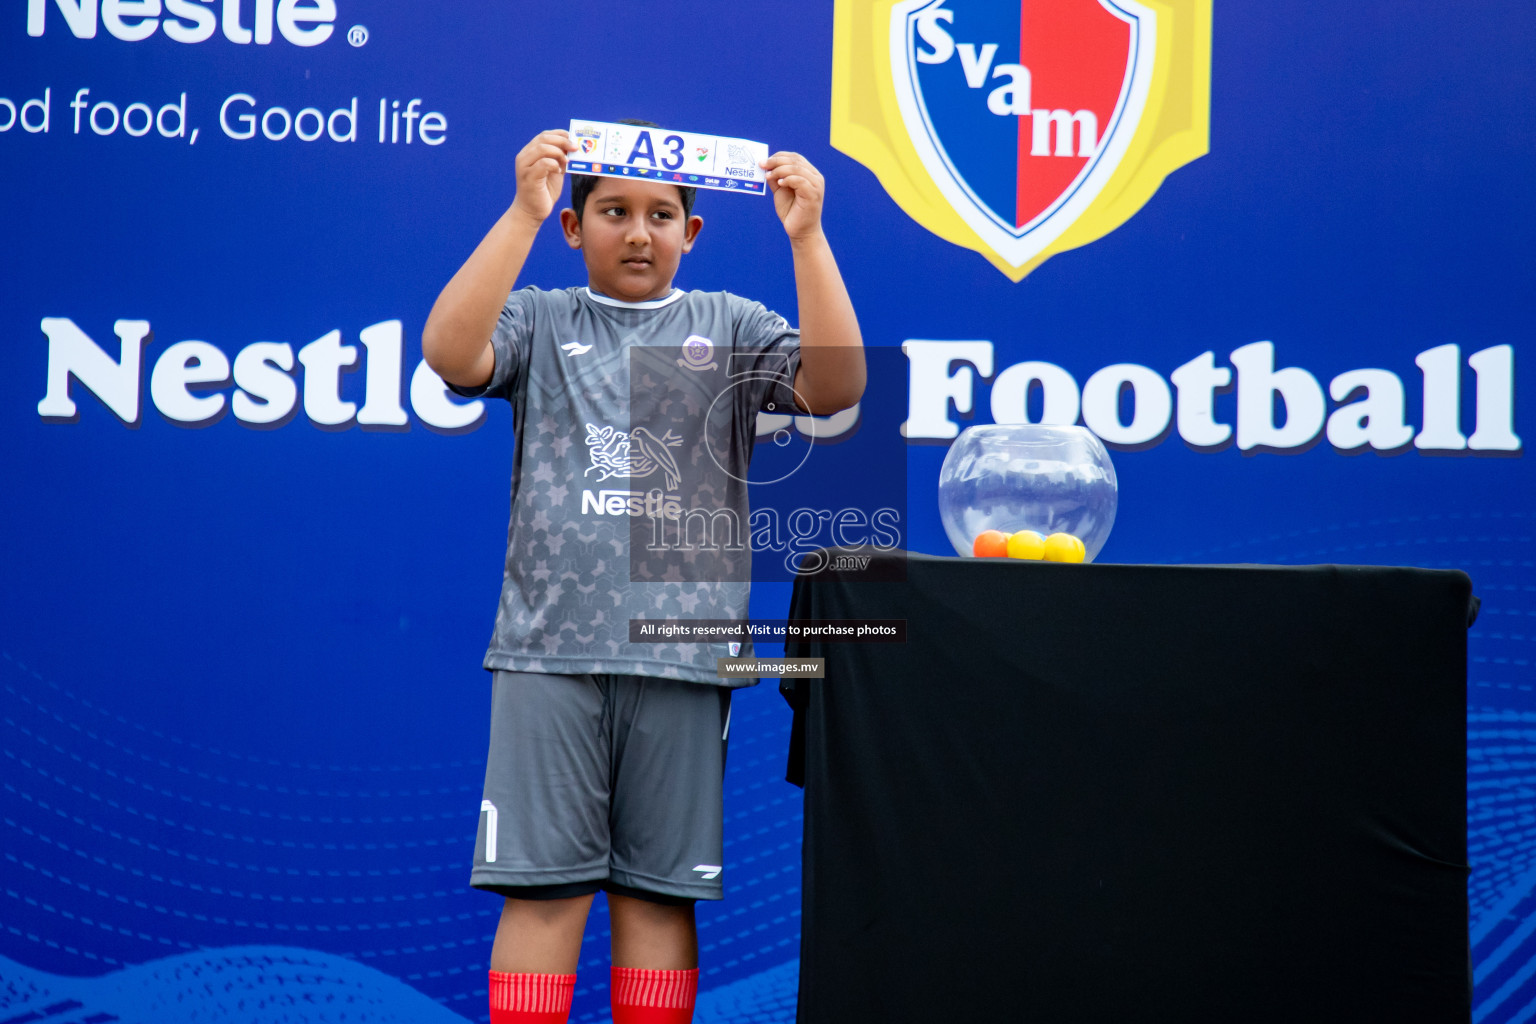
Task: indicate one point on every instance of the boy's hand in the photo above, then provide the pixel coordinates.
(798, 189)
(540, 173)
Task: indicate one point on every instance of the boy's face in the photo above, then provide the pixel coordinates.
(632, 236)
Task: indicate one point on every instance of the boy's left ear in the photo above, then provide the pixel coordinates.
(572, 228)
(691, 231)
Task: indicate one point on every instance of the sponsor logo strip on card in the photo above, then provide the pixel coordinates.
(678, 158)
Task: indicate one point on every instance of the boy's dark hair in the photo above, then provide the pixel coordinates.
(583, 184)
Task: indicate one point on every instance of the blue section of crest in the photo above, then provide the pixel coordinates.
(981, 146)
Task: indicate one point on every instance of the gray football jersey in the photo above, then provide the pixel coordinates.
(626, 416)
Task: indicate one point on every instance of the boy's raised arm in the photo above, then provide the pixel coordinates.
(832, 374)
(456, 341)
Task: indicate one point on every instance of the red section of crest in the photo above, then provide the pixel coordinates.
(1078, 56)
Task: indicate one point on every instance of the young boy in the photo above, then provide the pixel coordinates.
(606, 757)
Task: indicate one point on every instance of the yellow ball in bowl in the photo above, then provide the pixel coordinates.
(1063, 547)
(1026, 544)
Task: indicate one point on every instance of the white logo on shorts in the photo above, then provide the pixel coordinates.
(708, 870)
(489, 810)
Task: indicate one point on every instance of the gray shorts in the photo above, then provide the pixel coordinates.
(611, 781)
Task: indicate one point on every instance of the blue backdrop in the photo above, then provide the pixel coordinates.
(243, 715)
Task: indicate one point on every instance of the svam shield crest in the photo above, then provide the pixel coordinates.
(1021, 128)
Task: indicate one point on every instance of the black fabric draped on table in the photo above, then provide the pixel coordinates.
(1136, 793)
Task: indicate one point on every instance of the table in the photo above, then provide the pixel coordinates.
(1135, 793)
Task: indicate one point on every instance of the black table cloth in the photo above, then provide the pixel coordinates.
(1135, 793)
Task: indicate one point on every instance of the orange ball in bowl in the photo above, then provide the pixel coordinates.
(990, 544)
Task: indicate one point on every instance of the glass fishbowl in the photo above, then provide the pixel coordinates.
(1026, 476)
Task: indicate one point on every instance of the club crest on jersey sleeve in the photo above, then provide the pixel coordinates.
(1021, 128)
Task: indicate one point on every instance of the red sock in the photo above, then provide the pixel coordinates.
(653, 997)
(531, 998)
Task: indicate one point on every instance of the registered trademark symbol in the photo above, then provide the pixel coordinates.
(357, 35)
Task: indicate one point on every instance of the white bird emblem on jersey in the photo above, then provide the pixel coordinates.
(575, 348)
(639, 453)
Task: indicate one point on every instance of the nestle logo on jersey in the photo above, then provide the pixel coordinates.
(300, 22)
(632, 503)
